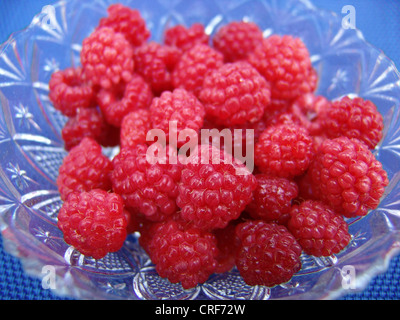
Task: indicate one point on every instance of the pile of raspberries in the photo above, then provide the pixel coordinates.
(313, 170)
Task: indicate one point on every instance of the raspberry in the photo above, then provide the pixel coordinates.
(194, 65)
(237, 39)
(268, 255)
(284, 61)
(183, 255)
(318, 229)
(347, 176)
(93, 222)
(150, 187)
(353, 118)
(134, 128)
(87, 123)
(132, 220)
(272, 199)
(214, 189)
(84, 168)
(106, 58)
(155, 62)
(117, 102)
(284, 150)
(227, 244)
(68, 91)
(235, 94)
(127, 21)
(186, 38)
(180, 106)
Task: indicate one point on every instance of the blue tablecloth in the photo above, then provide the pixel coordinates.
(379, 20)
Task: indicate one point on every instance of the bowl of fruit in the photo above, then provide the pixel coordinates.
(198, 150)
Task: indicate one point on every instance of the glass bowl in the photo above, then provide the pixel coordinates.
(32, 150)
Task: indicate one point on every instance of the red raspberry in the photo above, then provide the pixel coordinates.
(84, 168)
(185, 255)
(132, 220)
(149, 186)
(117, 102)
(284, 151)
(106, 58)
(227, 244)
(318, 229)
(353, 118)
(186, 38)
(214, 189)
(235, 94)
(134, 128)
(272, 199)
(180, 106)
(68, 91)
(285, 62)
(237, 39)
(127, 21)
(87, 123)
(93, 222)
(347, 176)
(194, 65)
(268, 255)
(155, 62)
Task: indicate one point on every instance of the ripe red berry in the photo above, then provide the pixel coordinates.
(69, 92)
(93, 222)
(285, 63)
(150, 187)
(107, 58)
(184, 37)
(134, 128)
(318, 229)
(194, 65)
(353, 118)
(235, 94)
(214, 188)
(117, 102)
(183, 255)
(268, 255)
(272, 199)
(284, 151)
(127, 21)
(237, 39)
(347, 176)
(84, 168)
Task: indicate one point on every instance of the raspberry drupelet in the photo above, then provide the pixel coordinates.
(84, 168)
(107, 58)
(347, 176)
(181, 254)
(214, 188)
(147, 180)
(194, 65)
(284, 150)
(272, 199)
(237, 39)
(318, 229)
(353, 118)
(117, 102)
(285, 62)
(186, 38)
(93, 222)
(69, 92)
(127, 21)
(268, 254)
(235, 94)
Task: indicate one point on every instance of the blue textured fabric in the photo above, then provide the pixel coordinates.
(379, 20)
